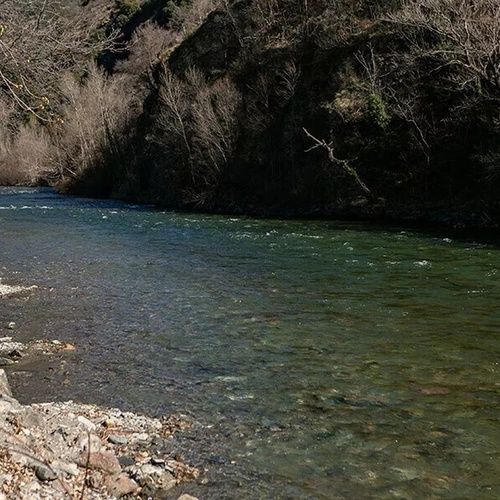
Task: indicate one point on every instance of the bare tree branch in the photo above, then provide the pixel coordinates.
(318, 143)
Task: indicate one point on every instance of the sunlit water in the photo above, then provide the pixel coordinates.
(323, 360)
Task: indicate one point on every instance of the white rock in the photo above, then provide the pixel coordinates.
(86, 423)
(5, 406)
(150, 470)
(69, 468)
(141, 437)
(89, 441)
(4, 384)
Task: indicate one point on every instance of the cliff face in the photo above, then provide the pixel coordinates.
(350, 108)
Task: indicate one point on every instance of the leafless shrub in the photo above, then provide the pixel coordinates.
(197, 126)
(98, 115)
(172, 118)
(468, 35)
(214, 120)
(334, 160)
(25, 149)
(349, 104)
(148, 44)
(25, 158)
(40, 39)
(186, 18)
(339, 21)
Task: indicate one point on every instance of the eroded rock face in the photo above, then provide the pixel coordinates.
(52, 450)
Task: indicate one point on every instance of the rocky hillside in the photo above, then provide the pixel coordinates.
(364, 108)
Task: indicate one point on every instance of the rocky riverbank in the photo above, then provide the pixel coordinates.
(66, 450)
(70, 450)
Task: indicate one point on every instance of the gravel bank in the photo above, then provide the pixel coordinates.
(69, 450)
(65, 450)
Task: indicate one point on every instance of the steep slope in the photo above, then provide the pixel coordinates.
(364, 108)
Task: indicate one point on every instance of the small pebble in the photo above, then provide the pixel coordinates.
(117, 439)
(142, 437)
(126, 461)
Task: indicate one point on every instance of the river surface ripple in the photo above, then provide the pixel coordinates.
(322, 359)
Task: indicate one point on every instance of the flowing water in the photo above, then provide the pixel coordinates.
(322, 359)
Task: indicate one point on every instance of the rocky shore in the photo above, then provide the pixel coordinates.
(69, 450)
(66, 450)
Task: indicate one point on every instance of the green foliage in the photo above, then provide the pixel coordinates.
(172, 6)
(126, 9)
(378, 111)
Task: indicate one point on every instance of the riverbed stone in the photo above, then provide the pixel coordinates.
(121, 485)
(154, 478)
(126, 461)
(54, 443)
(143, 436)
(5, 406)
(101, 460)
(4, 384)
(30, 418)
(86, 423)
(185, 496)
(117, 439)
(89, 441)
(65, 467)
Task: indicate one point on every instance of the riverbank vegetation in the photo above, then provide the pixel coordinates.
(364, 108)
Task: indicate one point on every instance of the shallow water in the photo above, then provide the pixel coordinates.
(324, 360)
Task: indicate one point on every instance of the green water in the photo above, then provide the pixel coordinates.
(321, 360)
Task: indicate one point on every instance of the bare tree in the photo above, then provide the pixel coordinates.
(196, 128)
(147, 47)
(468, 34)
(40, 39)
(98, 118)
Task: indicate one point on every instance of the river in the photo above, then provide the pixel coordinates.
(321, 359)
